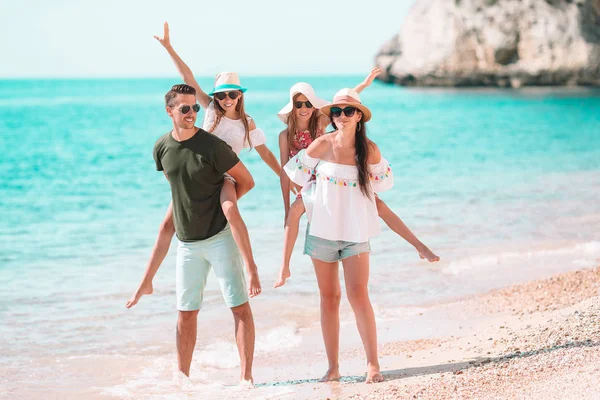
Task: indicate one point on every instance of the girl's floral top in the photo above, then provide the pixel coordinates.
(301, 141)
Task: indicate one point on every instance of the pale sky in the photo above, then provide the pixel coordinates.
(114, 38)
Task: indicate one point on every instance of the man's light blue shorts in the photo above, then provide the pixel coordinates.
(194, 260)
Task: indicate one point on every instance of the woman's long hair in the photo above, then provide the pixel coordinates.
(220, 112)
(361, 156)
(292, 125)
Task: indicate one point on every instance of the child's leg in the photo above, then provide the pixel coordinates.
(396, 224)
(240, 234)
(159, 252)
(291, 234)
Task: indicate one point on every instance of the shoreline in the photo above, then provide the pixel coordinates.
(539, 339)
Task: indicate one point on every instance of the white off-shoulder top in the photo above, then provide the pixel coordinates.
(336, 207)
(232, 131)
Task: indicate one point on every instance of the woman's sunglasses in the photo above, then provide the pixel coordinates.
(232, 95)
(298, 104)
(336, 112)
(186, 109)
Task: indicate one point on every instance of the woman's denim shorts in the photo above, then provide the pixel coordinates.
(332, 250)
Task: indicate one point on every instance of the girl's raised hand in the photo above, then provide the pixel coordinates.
(375, 72)
(165, 40)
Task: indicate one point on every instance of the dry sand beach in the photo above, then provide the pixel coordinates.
(539, 340)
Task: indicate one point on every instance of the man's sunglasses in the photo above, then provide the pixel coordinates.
(336, 112)
(298, 104)
(186, 109)
(232, 95)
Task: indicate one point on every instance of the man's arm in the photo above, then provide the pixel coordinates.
(243, 180)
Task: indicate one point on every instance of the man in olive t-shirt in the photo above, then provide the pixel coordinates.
(194, 162)
(195, 168)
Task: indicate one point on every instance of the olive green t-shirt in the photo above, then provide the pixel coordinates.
(195, 170)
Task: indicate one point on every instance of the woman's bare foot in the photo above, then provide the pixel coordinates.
(374, 375)
(254, 288)
(142, 290)
(425, 253)
(284, 274)
(331, 375)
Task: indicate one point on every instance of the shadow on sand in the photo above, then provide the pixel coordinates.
(442, 368)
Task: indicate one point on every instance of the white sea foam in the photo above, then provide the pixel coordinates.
(591, 251)
(220, 355)
(283, 337)
(224, 355)
(160, 381)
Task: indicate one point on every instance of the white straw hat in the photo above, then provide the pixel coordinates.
(305, 89)
(227, 82)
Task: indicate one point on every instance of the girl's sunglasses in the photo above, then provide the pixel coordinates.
(336, 112)
(186, 109)
(232, 95)
(298, 104)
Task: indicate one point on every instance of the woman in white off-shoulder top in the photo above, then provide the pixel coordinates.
(342, 214)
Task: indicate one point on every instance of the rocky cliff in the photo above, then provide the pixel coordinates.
(505, 43)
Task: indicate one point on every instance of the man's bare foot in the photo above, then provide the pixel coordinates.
(182, 379)
(425, 253)
(142, 290)
(331, 375)
(284, 274)
(374, 375)
(254, 288)
(247, 383)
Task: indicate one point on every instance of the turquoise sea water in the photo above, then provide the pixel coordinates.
(503, 185)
